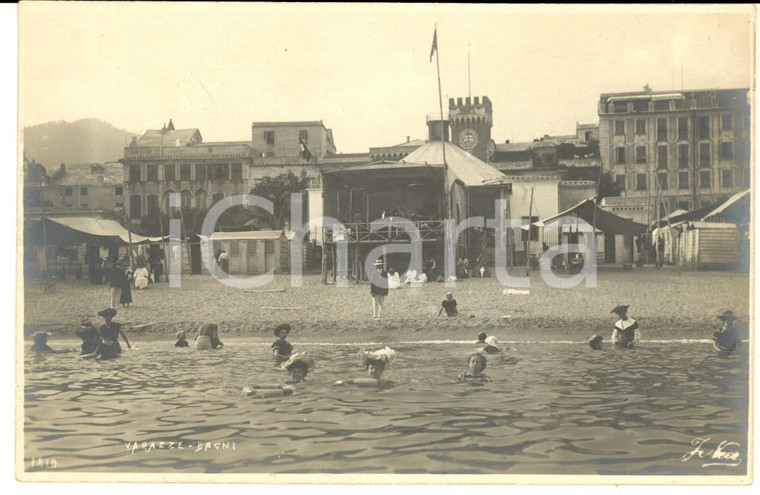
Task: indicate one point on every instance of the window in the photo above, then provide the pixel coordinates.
(704, 128)
(662, 105)
(684, 205)
(620, 128)
(68, 191)
(588, 136)
(641, 154)
(704, 179)
(152, 173)
(184, 172)
(237, 171)
(269, 137)
(620, 181)
(533, 229)
(620, 155)
(186, 198)
(640, 106)
(621, 107)
(683, 128)
(662, 130)
(704, 155)
(303, 136)
(641, 127)
(167, 202)
(222, 171)
(683, 156)
(641, 182)
(727, 150)
(216, 198)
(727, 122)
(662, 181)
(683, 180)
(727, 178)
(200, 198)
(134, 173)
(135, 206)
(169, 172)
(662, 157)
(235, 248)
(200, 171)
(118, 190)
(152, 205)
(83, 191)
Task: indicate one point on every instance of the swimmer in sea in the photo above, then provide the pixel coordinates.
(108, 347)
(181, 340)
(626, 332)
(89, 336)
(281, 347)
(477, 363)
(375, 362)
(490, 345)
(595, 342)
(40, 343)
(726, 339)
(298, 366)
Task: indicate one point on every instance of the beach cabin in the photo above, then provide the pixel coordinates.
(708, 245)
(254, 252)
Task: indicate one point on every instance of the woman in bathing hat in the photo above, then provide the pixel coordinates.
(477, 364)
(626, 332)
(726, 339)
(281, 347)
(375, 362)
(490, 345)
(108, 347)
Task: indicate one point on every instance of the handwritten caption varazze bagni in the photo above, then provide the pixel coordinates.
(195, 447)
(724, 453)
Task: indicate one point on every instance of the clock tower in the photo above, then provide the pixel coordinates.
(471, 123)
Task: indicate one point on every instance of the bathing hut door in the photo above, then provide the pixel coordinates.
(252, 256)
(270, 260)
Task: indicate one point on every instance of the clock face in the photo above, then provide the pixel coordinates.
(468, 139)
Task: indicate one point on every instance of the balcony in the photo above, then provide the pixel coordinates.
(359, 232)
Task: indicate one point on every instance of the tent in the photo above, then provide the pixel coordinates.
(68, 231)
(605, 221)
(462, 166)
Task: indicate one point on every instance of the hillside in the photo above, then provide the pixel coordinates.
(83, 141)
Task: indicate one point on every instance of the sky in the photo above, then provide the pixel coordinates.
(364, 70)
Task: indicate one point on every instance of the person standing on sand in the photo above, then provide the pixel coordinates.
(126, 288)
(378, 292)
(117, 277)
(626, 332)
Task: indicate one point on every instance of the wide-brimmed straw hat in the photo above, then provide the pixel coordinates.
(299, 357)
(107, 313)
(728, 315)
(281, 328)
(386, 355)
(620, 307)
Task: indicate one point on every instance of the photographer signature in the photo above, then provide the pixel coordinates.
(724, 454)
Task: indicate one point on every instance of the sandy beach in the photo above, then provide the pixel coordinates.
(669, 304)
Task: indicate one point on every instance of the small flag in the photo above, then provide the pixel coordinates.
(435, 44)
(305, 152)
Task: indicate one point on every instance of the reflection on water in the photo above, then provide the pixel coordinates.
(552, 409)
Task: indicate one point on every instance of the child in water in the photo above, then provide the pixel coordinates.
(89, 336)
(477, 363)
(298, 366)
(595, 342)
(626, 332)
(40, 343)
(726, 339)
(281, 347)
(208, 338)
(375, 363)
(181, 340)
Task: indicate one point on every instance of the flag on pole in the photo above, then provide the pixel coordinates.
(435, 44)
(305, 151)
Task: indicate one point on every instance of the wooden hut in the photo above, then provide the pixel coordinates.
(709, 245)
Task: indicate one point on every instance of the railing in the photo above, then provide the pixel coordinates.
(429, 230)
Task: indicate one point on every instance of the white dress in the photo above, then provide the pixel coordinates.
(141, 278)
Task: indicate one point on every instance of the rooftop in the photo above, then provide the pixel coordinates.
(179, 137)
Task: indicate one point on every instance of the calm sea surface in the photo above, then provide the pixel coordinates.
(552, 409)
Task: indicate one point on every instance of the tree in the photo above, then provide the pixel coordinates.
(278, 191)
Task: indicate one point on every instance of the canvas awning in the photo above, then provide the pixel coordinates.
(79, 230)
(605, 220)
(462, 166)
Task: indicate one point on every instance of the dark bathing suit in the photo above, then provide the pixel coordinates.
(283, 346)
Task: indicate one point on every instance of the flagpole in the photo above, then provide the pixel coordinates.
(443, 128)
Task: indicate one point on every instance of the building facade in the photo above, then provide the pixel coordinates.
(471, 121)
(163, 162)
(688, 147)
(284, 139)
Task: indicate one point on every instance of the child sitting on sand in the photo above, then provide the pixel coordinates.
(449, 304)
(375, 363)
(298, 366)
(626, 332)
(281, 347)
(181, 340)
(726, 339)
(477, 363)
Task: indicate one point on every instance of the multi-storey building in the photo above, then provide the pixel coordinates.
(471, 122)
(166, 161)
(686, 147)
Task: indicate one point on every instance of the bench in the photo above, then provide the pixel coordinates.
(60, 270)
